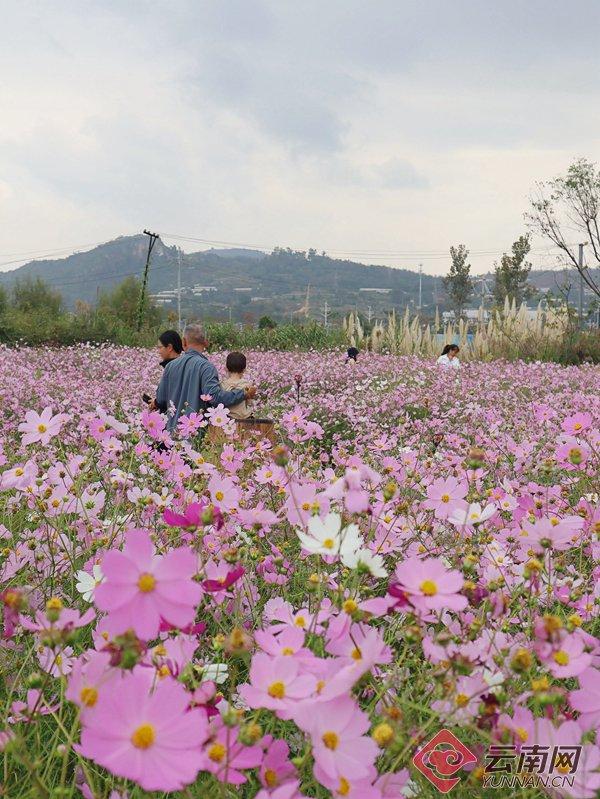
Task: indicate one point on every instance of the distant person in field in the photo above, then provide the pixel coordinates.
(189, 379)
(236, 366)
(170, 346)
(449, 357)
(352, 355)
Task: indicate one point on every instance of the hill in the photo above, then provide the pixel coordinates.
(245, 284)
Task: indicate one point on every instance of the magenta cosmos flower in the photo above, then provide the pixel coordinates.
(41, 427)
(141, 588)
(429, 585)
(148, 737)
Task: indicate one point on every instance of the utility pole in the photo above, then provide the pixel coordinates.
(420, 286)
(179, 289)
(369, 314)
(325, 313)
(152, 239)
(581, 285)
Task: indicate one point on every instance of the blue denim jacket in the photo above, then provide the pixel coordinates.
(183, 382)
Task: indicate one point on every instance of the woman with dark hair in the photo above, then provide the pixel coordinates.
(448, 358)
(170, 346)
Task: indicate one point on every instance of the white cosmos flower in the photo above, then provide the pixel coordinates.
(367, 559)
(215, 672)
(87, 582)
(326, 536)
(470, 515)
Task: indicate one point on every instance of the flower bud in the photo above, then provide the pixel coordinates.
(53, 608)
(521, 661)
(383, 734)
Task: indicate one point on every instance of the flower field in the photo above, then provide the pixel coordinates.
(419, 551)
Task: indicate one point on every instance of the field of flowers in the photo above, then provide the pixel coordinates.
(420, 551)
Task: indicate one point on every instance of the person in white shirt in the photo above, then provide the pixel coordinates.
(449, 357)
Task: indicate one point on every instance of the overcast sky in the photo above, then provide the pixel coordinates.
(366, 127)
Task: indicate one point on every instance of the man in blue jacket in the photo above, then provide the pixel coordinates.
(191, 376)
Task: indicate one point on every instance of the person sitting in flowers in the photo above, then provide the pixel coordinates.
(189, 379)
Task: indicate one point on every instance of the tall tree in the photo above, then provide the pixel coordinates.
(512, 273)
(565, 211)
(458, 282)
(122, 303)
(34, 295)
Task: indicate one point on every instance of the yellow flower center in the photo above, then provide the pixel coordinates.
(320, 685)
(356, 654)
(461, 700)
(429, 588)
(577, 426)
(88, 696)
(217, 752)
(54, 603)
(42, 428)
(561, 657)
(349, 606)
(271, 778)
(330, 739)
(219, 495)
(19, 472)
(522, 733)
(306, 506)
(445, 497)
(287, 650)
(276, 690)
(300, 621)
(328, 543)
(144, 736)
(146, 583)
(554, 521)
(343, 787)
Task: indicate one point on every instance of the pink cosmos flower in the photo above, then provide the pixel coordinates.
(340, 747)
(572, 454)
(577, 424)
(67, 620)
(88, 680)
(150, 737)
(154, 423)
(19, 477)
(586, 698)
(41, 427)
(276, 767)
(429, 585)
(290, 790)
(570, 659)
(290, 641)
(141, 587)
(586, 778)
(35, 705)
(224, 493)
(276, 682)
(551, 533)
(443, 495)
(225, 756)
